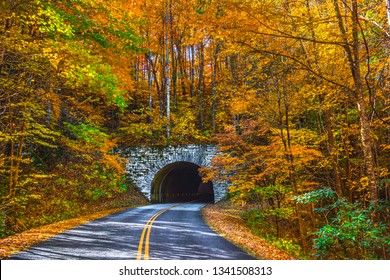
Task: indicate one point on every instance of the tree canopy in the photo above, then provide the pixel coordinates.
(294, 93)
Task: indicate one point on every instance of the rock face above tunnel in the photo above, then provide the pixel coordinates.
(145, 162)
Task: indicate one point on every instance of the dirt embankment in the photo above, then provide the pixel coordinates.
(225, 218)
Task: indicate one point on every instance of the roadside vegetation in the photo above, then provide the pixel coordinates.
(294, 93)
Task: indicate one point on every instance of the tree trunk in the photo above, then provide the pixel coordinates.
(286, 140)
(7, 26)
(173, 60)
(333, 153)
(180, 60)
(192, 71)
(213, 87)
(166, 71)
(388, 13)
(150, 86)
(354, 64)
(332, 149)
(158, 87)
(365, 127)
(18, 159)
(201, 86)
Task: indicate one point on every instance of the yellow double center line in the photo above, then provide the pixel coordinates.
(145, 236)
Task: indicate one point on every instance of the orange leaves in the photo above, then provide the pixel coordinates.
(243, 101)
(254, 156)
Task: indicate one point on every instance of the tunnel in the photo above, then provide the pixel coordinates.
(181, 182)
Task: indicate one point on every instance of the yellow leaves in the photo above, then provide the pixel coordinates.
(385, 147)
(364, 182)
(243, 101)
(361, 188)
(240, 188)
(51, 22)
(114, 162)
(184, 129)
(383, 172)
(52, 56)
(242, 185)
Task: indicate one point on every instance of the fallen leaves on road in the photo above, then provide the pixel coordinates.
(225, 218)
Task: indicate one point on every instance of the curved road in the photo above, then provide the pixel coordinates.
(157, 232)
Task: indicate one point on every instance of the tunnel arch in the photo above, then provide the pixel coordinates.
(180, 182)
(144, 162)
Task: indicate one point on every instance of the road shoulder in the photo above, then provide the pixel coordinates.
(225, 219)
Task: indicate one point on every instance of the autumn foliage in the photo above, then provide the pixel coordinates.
(59, 96)
(294, 93)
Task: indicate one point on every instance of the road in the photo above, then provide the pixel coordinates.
(156, 232)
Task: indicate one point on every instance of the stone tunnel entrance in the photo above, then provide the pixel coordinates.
(180, 182)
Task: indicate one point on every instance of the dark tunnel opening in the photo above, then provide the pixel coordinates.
(181, 182)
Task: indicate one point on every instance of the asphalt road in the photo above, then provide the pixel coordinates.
(156, 232)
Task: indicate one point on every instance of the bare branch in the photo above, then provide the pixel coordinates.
(304, 65)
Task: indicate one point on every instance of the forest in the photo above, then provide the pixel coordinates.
(295, 93)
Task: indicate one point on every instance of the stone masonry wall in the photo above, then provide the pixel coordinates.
(144, 162)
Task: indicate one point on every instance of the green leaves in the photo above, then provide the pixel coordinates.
(316, 196)
(272, 190)
(97, 77)
(351, 233)
(352, 230)
(62, 78)
(51, 22)
(88, 134)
